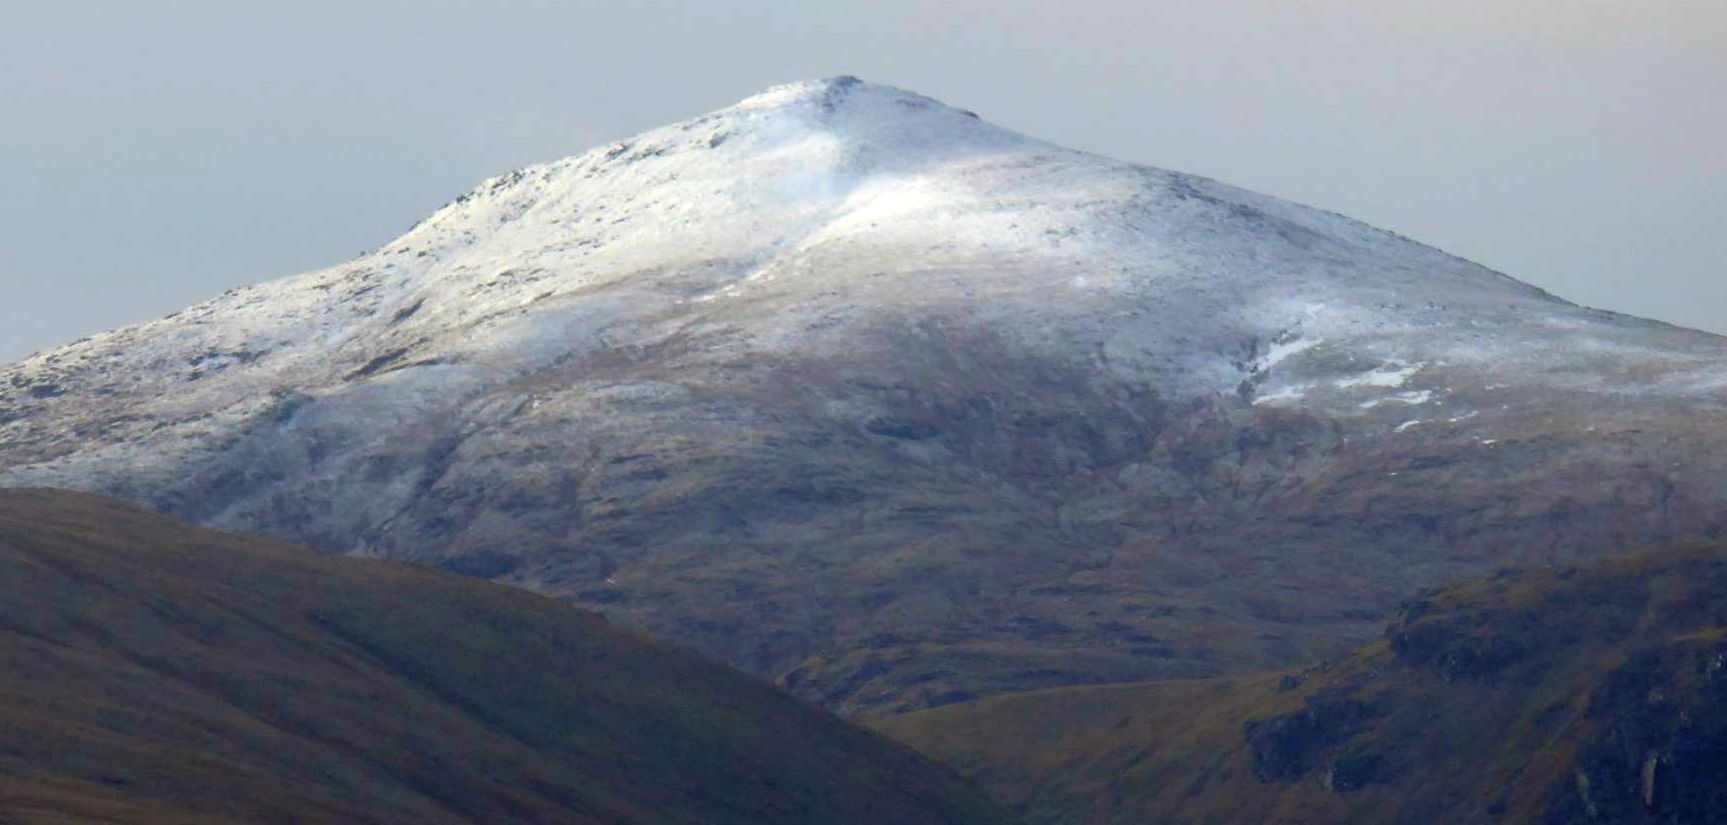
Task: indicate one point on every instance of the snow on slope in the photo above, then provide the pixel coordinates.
(820, 183)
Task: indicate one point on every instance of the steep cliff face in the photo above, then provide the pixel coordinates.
(153, 672)
(857, 390)
(1591, 694)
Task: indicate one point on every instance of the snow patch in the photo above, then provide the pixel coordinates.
(1392, 374)
(1410, 398)
(1280, 351)
(1285, 394)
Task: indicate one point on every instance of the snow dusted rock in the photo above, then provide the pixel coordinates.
(858, 390)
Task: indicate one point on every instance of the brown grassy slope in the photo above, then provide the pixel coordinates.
(1573, 695)
(153, 672)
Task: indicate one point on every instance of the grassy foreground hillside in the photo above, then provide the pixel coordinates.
(1574, 695)
(153, 672)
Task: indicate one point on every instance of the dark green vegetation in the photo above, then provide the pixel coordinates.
(152, 672)
(1592, 694)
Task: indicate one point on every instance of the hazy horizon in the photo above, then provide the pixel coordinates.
(158, 156)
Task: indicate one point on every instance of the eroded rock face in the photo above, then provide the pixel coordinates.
(1285, 748)
(1660, 751)
(855, 389)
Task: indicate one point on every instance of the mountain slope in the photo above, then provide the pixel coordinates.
(154, 672)
(856, 390)
(1595, 694)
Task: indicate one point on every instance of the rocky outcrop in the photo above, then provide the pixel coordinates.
(1659, 751)
(1588, 693)
(1285, 748)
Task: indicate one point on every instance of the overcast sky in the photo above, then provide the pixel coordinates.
(156, 153)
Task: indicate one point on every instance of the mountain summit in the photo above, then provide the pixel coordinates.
(857, 390)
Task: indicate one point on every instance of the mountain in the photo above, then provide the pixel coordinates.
(858, 391)
(156, 672)
(1570, 695)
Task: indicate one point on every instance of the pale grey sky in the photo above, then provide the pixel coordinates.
(153, 154)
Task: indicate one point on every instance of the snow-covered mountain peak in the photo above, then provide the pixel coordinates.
(889, 126)
(847, 109)
(841, 340)
(779, 155)
(841, 200)
(827, 93)
(797, 219)
(844, 93)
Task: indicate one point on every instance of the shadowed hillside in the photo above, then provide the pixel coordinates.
(152, 672)
(1594, 694)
